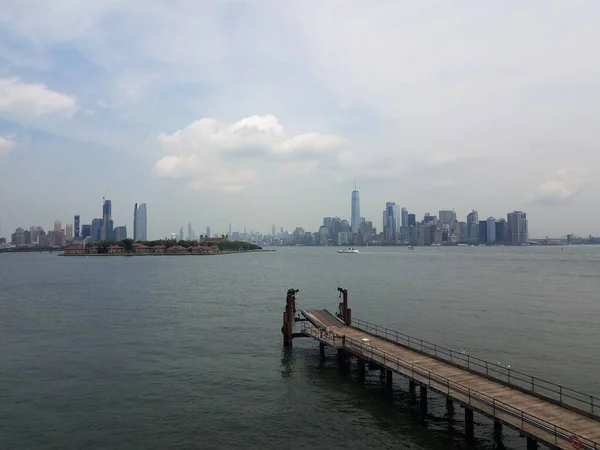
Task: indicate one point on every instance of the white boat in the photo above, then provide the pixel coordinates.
(347, 250)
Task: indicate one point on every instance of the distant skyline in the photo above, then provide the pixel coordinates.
(251, 113)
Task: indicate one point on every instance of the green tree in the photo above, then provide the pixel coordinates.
(128, 245)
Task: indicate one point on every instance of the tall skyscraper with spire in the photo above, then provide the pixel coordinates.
(355, 211)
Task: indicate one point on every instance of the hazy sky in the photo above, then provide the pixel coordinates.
(257, 111)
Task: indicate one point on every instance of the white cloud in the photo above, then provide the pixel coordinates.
(6, 145)
(215, 156)
(563, 186)
(30, 100)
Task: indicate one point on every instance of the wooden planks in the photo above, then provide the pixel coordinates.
(454, 382)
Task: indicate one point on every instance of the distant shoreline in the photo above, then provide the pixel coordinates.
(169, 254)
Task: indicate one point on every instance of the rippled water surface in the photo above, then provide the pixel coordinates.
(186, 352)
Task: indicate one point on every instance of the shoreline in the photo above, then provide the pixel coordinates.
(169, 254)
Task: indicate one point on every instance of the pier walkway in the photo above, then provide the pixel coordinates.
(544, 412)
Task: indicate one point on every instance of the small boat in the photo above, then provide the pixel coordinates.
(410, 247)
(347, 250)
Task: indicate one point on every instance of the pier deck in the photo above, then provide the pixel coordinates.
(543, 418)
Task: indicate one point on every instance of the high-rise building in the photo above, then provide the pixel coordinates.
(86, 231)
(119, 233)
(472, 224)
(390, 222)
(208, 232)
(483, 231)
(57, 226)
(140, 222)
(412, 220)
(447, 217)
(517, 228)
(323, 235)
(96, 230)
(181, 234)
(491, 230)
(107, 232)
(404, 213)
(69, 232)
(355, 212)
(76, 222)
(501, 231)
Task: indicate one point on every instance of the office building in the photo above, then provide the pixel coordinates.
(69, 232)
(355, 212)
(107, 227)
(472, 225)
(140, 222)
(501, 231)
(483, 231)
(491, 230)
(517, 228)
(96, 230)
(76, 228)
(119, 233)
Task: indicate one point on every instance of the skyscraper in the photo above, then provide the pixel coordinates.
(491, 230)
(390, 222)
(181, 234)
(96, 230)
(208, 231)
(190, 235)
(57, 226)
(69, 231)
(76, 223)
(404, 217)
(355, 212)
(140, 222)
(472, 225)
(517, 228)
(107, 231)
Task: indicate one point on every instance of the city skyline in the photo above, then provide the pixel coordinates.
(258, 107)
(397, 225)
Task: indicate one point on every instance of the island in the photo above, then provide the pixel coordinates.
(128, 247)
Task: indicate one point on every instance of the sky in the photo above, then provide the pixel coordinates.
(254, 112)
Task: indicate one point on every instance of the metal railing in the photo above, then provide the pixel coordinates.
(566, 396)
(474, 398)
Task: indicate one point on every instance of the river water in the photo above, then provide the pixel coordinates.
(186, 352)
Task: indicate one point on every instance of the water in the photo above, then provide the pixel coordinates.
(186, 352)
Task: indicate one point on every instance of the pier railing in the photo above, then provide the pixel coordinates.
(564, 395)
(545, 430)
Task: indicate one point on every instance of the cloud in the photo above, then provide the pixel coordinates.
(6, 145)
(563, 186)
(30, 100)
(215, 156)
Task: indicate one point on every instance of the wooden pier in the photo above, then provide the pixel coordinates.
(544, 412)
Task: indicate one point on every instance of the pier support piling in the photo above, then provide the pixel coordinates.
(322, 348)
(423, 399)
(389, 378)
(468, 422)
(531, 444)
(288, 317)
(411, 387)
(449, 406)
(362, 369)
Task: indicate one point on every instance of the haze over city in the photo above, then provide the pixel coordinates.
(254, 113)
